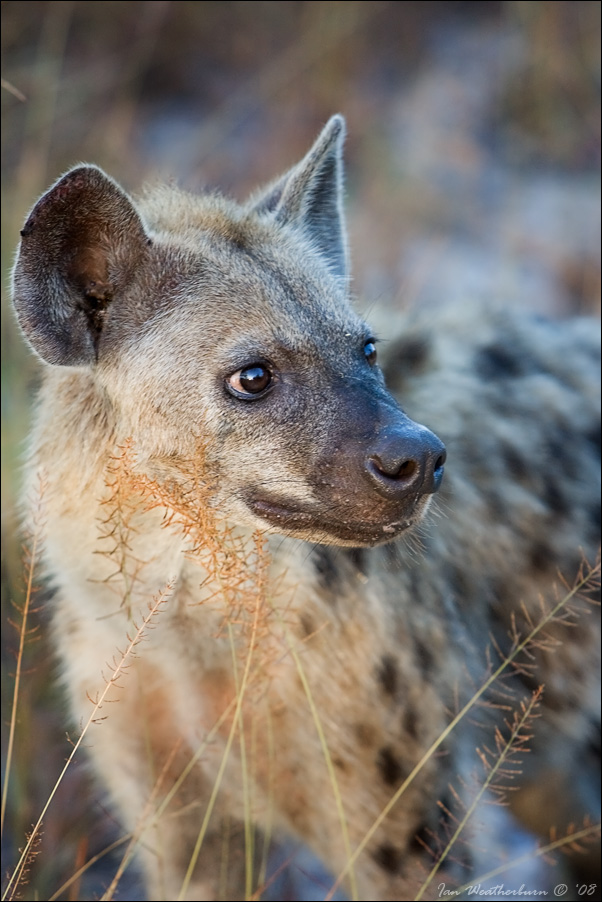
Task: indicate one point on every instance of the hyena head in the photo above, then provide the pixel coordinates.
(196, 317)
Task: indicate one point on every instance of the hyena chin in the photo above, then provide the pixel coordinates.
(217, 442)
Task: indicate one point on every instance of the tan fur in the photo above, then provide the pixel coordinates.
(148, 463)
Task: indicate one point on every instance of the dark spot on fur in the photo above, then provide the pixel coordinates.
(307, 625)
(594, 745)
(234, 233)
(365, 734)
(516, 464)
(389, 766)
(595, 514)
(388, 674)
(554, 446)
(554, 498)
(556, 702)
(326, 568)
(388, 858)
(420, 841)
(593, 437)
(408, 356)
(541, 557)
(239, 241)
(340, 764)
(500, 361)
(425, 656)
(409, 723)
(414, 351)
(559, 455)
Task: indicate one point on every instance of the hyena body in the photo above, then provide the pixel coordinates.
(210, 385)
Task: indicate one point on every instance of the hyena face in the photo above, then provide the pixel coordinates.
(233, 320)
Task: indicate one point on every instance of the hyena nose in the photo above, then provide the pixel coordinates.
(406, 460)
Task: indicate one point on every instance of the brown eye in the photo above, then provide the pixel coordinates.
(370, 352)
(250, 382)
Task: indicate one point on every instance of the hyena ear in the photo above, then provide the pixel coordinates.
(81, 246)
(310, 197)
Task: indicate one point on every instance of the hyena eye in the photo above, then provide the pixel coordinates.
(249, 382)
(370, 352)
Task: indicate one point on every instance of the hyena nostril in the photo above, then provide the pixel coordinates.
(406, 470)
(405, 459)
(395, 470)
(437, 474)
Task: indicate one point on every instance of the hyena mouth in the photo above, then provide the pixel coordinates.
(340, 527)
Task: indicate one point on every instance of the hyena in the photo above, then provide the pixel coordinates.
(218, 442)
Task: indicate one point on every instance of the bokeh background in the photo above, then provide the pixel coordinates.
(472, 171)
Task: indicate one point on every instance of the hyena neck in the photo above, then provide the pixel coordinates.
(100, 535)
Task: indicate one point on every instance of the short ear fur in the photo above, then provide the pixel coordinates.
(309, 197)
(80, 247)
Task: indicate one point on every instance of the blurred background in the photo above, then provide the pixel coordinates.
(472, 171)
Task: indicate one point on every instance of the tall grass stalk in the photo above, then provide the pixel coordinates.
(79, 873)
(119, 668)
(504, 749)
(31, 555)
